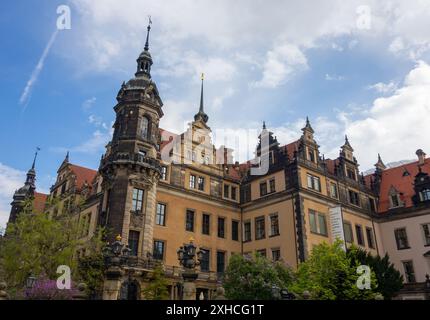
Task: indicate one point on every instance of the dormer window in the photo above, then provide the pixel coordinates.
(395, 202)
(311, 155)
(351, 174)
(425, 195)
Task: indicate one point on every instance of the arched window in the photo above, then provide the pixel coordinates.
(144, 128)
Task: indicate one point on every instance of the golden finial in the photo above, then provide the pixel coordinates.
(118, 238)
(191, 239)
(203, 76)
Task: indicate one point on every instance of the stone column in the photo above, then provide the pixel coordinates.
(189, 285)
(112, 284)
(151, 205)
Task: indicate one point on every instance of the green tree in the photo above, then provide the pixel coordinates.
(249, 278)
(390, 280)
(91, 267)
(36, 245)
(157, 289)
(329, 274)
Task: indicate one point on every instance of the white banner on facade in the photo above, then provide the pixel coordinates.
(336, 222)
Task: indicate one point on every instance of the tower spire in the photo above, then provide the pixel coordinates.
(147, 34)
(201, 115)
(35, 157)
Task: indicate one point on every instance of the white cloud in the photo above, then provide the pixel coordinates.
(397, 125)
(218, 101)
(384, 88)
(25, 96)
(333, 77)
(10, 180)
(89, 103)
(281, 62)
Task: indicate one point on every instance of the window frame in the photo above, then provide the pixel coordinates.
(208, 226)
(187, 212)
(163, 215)
(137, 201)
(163, 253)
(260, 228)
(398, 239)
(221, 227)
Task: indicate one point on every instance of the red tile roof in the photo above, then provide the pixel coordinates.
(83, 175)
(404, 184)
(39, 202)
(331, 165)
(291, 148)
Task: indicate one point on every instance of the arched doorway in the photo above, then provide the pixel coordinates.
(130, 290)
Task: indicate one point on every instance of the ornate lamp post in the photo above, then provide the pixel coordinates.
(116, 256)
(189, 258)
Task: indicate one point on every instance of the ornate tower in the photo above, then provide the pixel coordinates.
(130, 168)
(25, 192)
(308, 147)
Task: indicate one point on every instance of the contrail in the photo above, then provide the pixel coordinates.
(35, 74)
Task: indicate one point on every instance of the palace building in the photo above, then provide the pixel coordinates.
(157, 189)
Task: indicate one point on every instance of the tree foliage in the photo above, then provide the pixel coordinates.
(329, 274)
(249, 278)
(157, 288)
(37, 245)
(389, 279)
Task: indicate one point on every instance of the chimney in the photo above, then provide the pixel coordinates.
(421, 157)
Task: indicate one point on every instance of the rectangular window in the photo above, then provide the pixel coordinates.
(137, 202)
(408, 266)
(313, 221)
(259, 228)
(246, 194)
(133, 242)
(426, 232)
(314, 183)
(206, 222)
(359, 234)
(158, 252)
(163, 173)
(205, 262)
(160, 218)
(233, 193)
(192, 181)
(220, 261)
(201, 184)
(235, 230)
(333, 190)
(263, 188)
(354, 198)
(318, 223)
(401, 238)
(189, 223)
(226, 191)
(274, 225)
(372, 205)
(272, 185)
(370, 238)
(247, 231)
(221, 227)
(276, 254)
(347, 228)
(322, 224)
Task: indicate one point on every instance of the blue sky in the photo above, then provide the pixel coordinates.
(263, 60)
